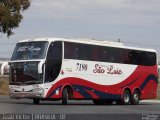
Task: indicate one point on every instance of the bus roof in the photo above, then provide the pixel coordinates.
(90, 41)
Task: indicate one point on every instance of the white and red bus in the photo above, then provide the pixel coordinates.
(72, 69)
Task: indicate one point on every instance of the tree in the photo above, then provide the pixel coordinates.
(11, 14)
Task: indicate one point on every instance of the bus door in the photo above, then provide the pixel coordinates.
(53, 61)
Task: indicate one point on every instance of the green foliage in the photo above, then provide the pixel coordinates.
(10, 14)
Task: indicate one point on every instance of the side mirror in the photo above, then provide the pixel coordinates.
(40, 67)
(3, 67)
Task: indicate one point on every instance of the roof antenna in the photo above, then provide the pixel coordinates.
(119, 40)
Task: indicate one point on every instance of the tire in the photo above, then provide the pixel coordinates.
(36, 101)
(135, 98)
(65, 96)
(99, 102)
(126, 97)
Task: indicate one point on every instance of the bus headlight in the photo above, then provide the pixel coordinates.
(11, 90)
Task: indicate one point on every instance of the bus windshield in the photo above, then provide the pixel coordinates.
(30, 50)
(25, 73)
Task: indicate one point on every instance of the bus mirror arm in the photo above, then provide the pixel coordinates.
(40, 71)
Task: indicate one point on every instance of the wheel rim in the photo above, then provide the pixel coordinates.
(67, 96)
(136, 97)
(126, 98)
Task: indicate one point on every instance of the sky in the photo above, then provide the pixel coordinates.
(134, 22)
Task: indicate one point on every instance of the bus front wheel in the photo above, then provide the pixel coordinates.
(65, 96)
(36, 101)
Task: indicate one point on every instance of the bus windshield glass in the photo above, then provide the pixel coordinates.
(25, 73)
(30, 50)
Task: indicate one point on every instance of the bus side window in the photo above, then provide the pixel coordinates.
(55, 51)
(149, 59)
(76, 52)
(136, 58)
(85, 52)
(129, 58)
(113, 55)
(103, 54)
(94, 53)
(125, 57)
(54, 61)
(68, 50)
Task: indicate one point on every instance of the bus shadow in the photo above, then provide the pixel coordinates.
(69, 104)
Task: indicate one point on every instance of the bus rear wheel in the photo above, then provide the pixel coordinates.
(65, 96)
(36, 101)
(135, 98)
(126, 98)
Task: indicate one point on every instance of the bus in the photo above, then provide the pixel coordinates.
(82, 69)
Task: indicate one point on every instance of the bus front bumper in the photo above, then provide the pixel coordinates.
(18, 95)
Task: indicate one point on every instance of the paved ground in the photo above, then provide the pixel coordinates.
(25, 106)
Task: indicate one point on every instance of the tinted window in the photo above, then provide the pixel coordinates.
(77, 51)
(125, 56)
(52, 70)
(113, 55)
(55, 51)
(54, 61)
(25, 72)
(108, 54)
(150, 58)
(99, 53)
(30, 50)
(143, 58)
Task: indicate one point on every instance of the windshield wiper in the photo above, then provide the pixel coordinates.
(16, 83)
(32, 82)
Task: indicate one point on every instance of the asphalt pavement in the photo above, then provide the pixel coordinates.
(81, 109)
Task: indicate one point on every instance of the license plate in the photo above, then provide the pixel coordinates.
(22, 94)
